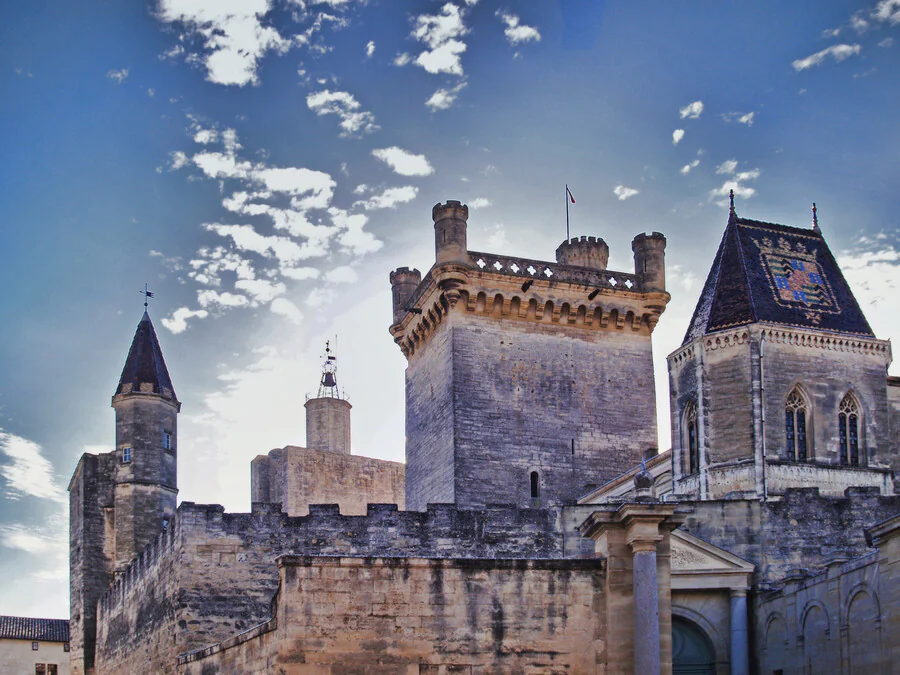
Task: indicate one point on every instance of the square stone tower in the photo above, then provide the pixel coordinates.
(780, 381)
(527, 382)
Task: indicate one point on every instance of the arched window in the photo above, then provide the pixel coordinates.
(535, 485)
(848, 431)
(692, 438)
(795, 417)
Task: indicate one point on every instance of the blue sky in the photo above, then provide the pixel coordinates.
(264, 164)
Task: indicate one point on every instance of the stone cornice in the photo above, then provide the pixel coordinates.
(525, 290)
(800, 337)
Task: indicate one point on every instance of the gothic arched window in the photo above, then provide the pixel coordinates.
(692, 438)
(848, 431)
(795, 418)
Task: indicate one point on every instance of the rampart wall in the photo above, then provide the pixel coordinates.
(212, 575)
(414, 616)
(804, 530)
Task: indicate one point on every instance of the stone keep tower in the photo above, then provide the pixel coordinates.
(780, 381)
(120, 501)
(527, 381)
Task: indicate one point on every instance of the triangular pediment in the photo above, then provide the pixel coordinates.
(698, 564)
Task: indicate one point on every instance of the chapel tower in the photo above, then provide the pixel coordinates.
(527, 381)
(120, 501)
(780, 382)
(146, 484)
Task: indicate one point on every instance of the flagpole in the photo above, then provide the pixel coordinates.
(567, 211)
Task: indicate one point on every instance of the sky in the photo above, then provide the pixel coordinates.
(264, 164)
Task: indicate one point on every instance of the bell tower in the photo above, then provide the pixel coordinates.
(328, 414)
(145, 476)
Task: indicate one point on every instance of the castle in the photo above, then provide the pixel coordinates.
(534, 527)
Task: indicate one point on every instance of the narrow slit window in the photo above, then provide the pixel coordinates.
(693, 440)
(535, 485)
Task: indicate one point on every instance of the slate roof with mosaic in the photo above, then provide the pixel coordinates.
(771, 273)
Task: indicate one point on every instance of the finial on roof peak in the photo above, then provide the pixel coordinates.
(732, 215)
(147, 293)
(816, 220)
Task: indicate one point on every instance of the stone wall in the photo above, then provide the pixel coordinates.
(843, 619)
(297, 477)
(893, 398)
(418, 616)
(525, 396)
(91, 555)
(804, 530)
(212, 574)
(430, 422)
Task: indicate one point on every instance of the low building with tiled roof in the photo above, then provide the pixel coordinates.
(29, 645)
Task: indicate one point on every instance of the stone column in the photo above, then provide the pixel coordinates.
(646, 608)
(740, 648)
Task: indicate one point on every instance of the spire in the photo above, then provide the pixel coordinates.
(732, 215)
(145, 368)
(815, 226)
(328, 386)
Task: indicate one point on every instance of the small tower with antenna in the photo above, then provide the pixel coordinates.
(328, 414)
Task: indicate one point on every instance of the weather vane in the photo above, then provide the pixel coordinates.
(147, 295)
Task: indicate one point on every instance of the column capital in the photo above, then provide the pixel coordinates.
(738, 592)
(644, 544)
(642, 522)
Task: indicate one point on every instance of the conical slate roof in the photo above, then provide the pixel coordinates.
(764, 272)
(145, 363)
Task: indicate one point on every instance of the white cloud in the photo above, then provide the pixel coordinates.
(686, 169)
(354, 239)
(498, 241)
(837, 52)
(624, 193)
(287, 309)
(354, 122)
(873, 271)
(206, 136)
(402, 59)
(886, 43)
(177, 322)
(515, 32)
(740, 118)
(692, 110)
(300, 273)
(677, 135)
(29, 473)
(178, 160)
(888, 10)
(404, 162)
(34, 541)
(728, 166)
(214, 298)
(370, 49)
(260, 290)
(444, 97)
(118, 76)
(342, 275)
(233, 36)
(440, 33)
(151, 92)
(479, 203)
(390, 198)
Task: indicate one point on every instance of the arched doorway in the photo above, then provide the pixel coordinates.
(692, 651)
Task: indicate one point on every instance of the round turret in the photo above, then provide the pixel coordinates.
(584, 252)
(404, 283)
(650, 260)
(450, 232)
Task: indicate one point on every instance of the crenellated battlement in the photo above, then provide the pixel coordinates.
(583, 252)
